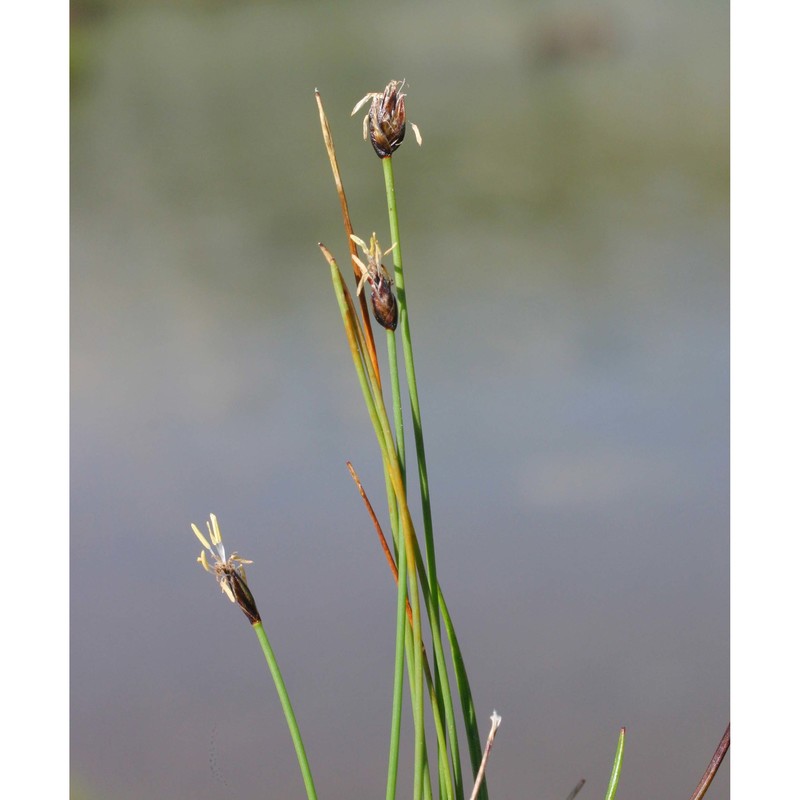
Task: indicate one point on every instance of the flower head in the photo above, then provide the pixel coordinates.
(384, 305)
(229, 572)
(385, 123)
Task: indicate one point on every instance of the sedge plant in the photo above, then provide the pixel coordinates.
(413, 568)
(384, 127)
(230, 574)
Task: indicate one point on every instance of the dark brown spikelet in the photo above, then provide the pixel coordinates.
(384, 305)
(242, 593)
(387, 120)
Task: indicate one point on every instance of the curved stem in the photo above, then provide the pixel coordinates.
(616, 767)
(283, 696)
(713, 766)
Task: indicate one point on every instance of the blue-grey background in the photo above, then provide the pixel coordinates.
(565, 234)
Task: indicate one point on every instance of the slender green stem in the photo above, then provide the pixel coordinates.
(397, 696)
(418, 722)
(445, 778)
(408, 355)
(283, 695)
(407, 549)
(465, 696)
(446, 784)
(616, 767)
(373, 398)
(399, 649)
(470, 720)
(397, 408)
(462, 682)
(443, 694)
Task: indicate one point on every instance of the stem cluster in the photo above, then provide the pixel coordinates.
(417, 579)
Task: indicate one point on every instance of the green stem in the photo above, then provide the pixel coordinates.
(616, 767)
(399, 649)
(462, 682)
(397, 408)
(373, 398)
(283, 695)
(418, 722)
(465, 696)
(408, 355)
(443, 694)
(444, 768)
(402, 593)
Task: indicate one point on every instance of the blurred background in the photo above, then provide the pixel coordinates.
(566, 248)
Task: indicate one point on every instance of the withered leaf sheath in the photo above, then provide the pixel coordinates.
(242, 593)
(387, 120)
